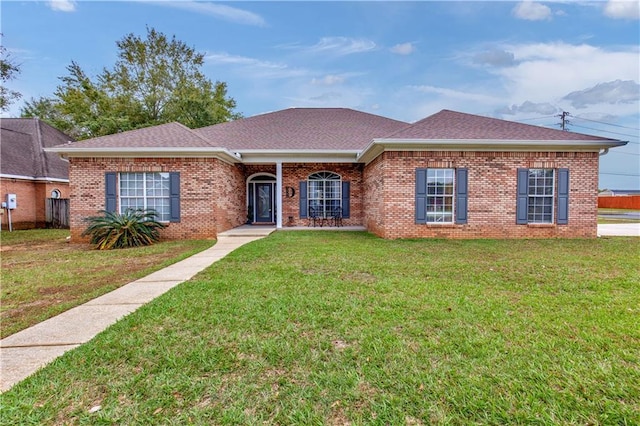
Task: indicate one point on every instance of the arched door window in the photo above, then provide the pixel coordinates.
(324, 193)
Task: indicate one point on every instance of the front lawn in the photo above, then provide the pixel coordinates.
(344, 328)
(43, 275)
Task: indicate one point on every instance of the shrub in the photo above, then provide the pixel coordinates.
(133, 228)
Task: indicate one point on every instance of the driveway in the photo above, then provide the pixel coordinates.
(619, 229)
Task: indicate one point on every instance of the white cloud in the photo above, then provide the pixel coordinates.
(328, 80)
(547, 72)
(612, 92)
(457, 94)
(228, 13)
(622, 9)
(342, 45)
(529, 108)
(531, 11)
(494, 58)
(403, 49)
(62, 5)
(256, 68)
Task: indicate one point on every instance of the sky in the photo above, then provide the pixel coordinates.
(522, 61)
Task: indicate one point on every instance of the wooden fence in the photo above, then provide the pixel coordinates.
(57, 213)
(619, 202)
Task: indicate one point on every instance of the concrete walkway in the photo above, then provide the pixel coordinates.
(619, 229)
(22, 353)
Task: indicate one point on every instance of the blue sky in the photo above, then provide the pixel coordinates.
(522, 61)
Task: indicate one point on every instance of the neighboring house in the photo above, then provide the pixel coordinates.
(450, 175)
(29, 172)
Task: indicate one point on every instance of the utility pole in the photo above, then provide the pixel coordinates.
(563, 116)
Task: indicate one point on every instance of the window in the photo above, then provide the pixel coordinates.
(56, 193)
(542, 196)
(324, 193)
(146, 191)
(540, 203)
(441, 195)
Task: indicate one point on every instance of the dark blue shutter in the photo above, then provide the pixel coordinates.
(174, 197)
(522, 200)
(111, 192)
(421, 195)
(462, 196)
(303, 199)
(346, 199)
(563, 197)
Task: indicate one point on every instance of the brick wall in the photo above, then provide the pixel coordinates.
(31, 196)
(208, 190)
(492, 194)
(294, 173)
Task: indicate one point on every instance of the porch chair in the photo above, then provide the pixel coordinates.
(336, 216)
(314, 216)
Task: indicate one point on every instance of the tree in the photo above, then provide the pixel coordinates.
(8, 71)
(156, 80)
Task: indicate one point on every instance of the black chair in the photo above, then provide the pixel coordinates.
(336, 216)
(315, 216)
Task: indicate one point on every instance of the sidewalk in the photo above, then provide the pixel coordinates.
(619, 229)
(22, 353)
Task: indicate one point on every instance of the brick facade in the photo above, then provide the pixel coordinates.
(389, 183)
(211, 192)
(31, 197)
(213, 196)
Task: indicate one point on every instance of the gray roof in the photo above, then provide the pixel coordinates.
(452, 125)
(338, 130)
(21, 149)
(301, 129)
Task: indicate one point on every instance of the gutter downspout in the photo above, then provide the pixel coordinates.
(604, 152)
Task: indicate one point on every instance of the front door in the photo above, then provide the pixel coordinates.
(263, 202)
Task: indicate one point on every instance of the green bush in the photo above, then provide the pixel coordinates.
(133, 228)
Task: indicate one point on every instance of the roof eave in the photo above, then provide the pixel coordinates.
(297, 156)
(147, 152)
(378, 146)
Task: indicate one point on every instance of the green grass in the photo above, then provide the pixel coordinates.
(337, 328)
(42, 275)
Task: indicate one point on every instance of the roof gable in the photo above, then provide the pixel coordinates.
(452, 125)
(22, 144)
(302, 129)
(169, 135)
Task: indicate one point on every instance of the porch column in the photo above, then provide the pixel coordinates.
(279, 194)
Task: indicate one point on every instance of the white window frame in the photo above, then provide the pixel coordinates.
(146, 194)
(538, 191)
(324, 192)
(436, 198)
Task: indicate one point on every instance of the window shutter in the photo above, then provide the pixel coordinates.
(110, 191)
(174, 197)
(522, 200)
(303, 199)
(563, 197)
(462, 196)
(346, 199)
(421, 195)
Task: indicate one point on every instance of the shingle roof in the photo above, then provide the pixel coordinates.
(21, 146)
(169, 135)
(452, 125)
(302, 128)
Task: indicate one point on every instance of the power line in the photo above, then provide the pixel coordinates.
(619, 174)
(608, 124)
(537, 118)
(563, 116)
(617, 151)
(606, 131)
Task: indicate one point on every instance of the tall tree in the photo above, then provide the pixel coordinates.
(154, 80)
(8, 71)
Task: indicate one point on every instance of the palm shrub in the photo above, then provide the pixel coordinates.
(133, 228)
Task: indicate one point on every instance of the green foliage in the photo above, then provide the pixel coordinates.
(133, 228)
(154, 81)
(8, 71)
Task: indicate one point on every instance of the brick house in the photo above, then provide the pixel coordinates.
(450, 175)
(29, 172)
